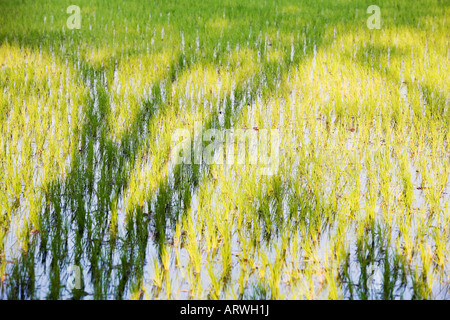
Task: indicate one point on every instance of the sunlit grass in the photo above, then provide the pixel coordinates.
(358, 207)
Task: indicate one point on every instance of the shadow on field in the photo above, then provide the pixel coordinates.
(79, 223)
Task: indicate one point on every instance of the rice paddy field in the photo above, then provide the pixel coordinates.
(91, 181)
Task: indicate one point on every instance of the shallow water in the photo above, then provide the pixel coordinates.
(115, 200)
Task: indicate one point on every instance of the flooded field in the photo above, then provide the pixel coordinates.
(224, 149)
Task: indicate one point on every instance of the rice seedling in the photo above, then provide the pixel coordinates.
(356, 208)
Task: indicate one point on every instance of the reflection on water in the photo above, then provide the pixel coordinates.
(358, 208)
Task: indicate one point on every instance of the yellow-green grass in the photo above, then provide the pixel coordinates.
(358, 206)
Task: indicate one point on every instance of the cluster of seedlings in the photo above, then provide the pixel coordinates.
(357, 208)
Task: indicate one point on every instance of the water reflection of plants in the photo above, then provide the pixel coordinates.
(358, 208)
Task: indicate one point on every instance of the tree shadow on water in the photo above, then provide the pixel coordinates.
(80, 222)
